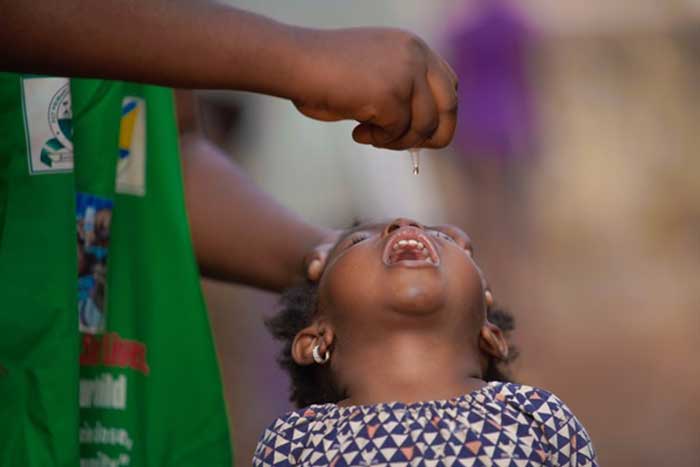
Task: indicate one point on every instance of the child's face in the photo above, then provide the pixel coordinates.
(405, 267)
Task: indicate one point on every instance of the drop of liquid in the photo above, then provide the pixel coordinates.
(415, 160)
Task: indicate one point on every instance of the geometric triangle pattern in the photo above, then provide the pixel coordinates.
(501, 424)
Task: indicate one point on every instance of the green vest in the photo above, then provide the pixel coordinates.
(106, 356)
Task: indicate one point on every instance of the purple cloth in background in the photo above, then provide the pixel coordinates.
(490, 56)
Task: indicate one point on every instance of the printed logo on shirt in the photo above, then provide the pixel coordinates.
(112, 350)
(131, 167)
(48, 125)
(93, 222)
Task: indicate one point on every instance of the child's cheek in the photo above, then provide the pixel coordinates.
(349, 285)
(465, 282)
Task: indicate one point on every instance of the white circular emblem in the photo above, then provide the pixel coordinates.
(60, 117)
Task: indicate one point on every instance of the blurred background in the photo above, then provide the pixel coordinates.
(575, 170)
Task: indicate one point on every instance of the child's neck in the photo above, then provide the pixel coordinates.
(408, 367)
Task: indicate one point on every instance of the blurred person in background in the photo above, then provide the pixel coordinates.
(114, 143)
(496, 136)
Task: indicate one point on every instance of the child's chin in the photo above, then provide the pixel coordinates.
(417, 299)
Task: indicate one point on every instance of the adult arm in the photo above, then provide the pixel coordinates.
(401, 92)
(240, 233)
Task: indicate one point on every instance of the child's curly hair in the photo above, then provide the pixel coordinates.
(313, 384)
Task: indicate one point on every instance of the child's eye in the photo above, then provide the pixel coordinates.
(355, 239)
(443, 235)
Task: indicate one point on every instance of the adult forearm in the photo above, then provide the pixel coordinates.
(240, 233)
(180, 43)
(402, 94)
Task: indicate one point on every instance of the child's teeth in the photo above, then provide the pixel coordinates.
(402, 242)
(420, 245)
(412, 242)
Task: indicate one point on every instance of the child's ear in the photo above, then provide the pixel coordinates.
(315, 262)
(304, 342)
(493, 342)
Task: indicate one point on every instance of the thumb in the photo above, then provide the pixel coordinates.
(315, 262)
(366, 133)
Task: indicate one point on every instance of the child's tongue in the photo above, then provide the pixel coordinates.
(407, 255)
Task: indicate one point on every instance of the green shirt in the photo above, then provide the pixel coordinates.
(97, 268)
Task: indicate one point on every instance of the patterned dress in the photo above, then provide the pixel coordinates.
(501, 424)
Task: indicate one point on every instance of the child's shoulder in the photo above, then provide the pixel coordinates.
(295, 423)
(553, 416)
(521, 393)
(535, 401)
(288, 433)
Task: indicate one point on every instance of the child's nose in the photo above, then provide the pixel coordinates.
(401, 222)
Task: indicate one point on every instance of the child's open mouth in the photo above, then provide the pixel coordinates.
(410, 247)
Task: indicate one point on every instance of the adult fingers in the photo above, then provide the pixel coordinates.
(389, 119)
(379, 135)
(315, 261)
(424, 117)
(443, 84)
(451, 72)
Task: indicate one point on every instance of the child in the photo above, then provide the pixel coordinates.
(393, 348)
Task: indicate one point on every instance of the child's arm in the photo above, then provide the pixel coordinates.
(389, 79)
(240, 233)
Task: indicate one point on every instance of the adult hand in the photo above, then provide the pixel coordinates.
(315, 261)
(403, 94)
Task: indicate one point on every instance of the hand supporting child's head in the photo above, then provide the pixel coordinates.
(396, 288)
